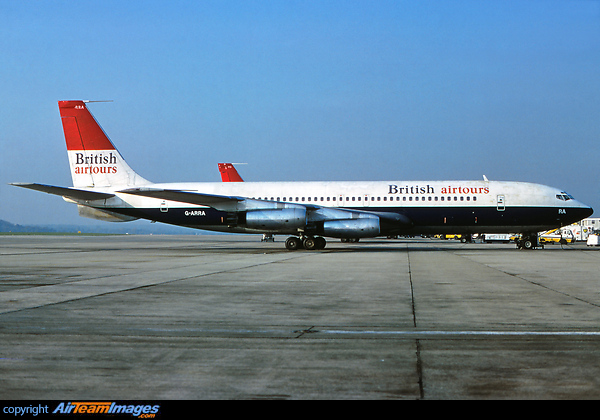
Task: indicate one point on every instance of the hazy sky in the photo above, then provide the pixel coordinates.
(304, 90)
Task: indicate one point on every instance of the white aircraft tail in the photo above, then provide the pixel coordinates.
(94, 160)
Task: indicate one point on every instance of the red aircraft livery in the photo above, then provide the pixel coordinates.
(229, 173)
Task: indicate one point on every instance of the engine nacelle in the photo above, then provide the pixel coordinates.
(352, 228)
(277, 219)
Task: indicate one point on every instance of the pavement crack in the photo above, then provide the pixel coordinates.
(306, 331)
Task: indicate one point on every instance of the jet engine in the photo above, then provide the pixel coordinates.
(276, 219)
(352, 228)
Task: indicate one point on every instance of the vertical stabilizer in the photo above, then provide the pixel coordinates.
(94, 160)
(229, 173)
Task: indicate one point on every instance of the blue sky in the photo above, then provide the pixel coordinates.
(304, 90)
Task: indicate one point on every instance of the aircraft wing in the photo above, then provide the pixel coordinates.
(65, 192)
(232, 203)
(219, 202)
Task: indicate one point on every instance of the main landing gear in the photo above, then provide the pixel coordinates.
(310, 243)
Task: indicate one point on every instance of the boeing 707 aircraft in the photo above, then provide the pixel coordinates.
(105, 187)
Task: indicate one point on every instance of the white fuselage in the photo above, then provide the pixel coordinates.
(433, 206)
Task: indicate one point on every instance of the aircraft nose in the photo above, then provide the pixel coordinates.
(584, 211)
(579, 212)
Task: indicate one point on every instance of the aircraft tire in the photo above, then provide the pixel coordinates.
(320, 242)
(309, 243)
(293, 243)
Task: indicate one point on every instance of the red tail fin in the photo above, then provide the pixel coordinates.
(229, 173)
(82, 132)
(94, 160)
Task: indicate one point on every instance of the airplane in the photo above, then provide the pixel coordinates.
(105, 187)
(229, 173)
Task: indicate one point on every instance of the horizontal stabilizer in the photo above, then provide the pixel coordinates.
(65, 192)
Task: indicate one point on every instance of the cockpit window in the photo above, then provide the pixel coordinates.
(564, 196)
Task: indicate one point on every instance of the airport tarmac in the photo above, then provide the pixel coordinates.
(230, 317)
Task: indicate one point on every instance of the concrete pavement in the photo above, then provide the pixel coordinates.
(229, 317)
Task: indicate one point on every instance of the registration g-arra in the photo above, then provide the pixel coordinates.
(105, 187)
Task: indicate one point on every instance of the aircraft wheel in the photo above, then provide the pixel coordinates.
(292, 243)
(320, 242)
(309, 243)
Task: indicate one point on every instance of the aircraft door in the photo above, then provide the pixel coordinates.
(500, 203)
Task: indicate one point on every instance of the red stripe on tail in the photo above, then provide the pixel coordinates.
(82, 132)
